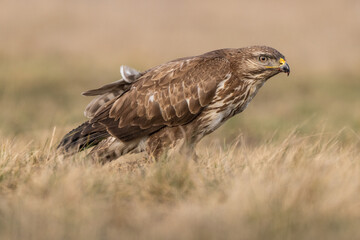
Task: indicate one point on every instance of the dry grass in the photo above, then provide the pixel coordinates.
(299, 188)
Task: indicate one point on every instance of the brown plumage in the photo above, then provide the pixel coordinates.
(173, 104)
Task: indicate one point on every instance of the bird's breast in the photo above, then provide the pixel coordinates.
(242, 101)
(226, 106)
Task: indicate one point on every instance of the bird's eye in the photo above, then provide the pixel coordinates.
(263, 58)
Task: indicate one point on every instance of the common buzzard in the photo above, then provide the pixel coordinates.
(174, 104)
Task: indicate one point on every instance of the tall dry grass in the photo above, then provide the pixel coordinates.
(303, 187)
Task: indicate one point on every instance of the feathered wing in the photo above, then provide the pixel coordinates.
(89, 134)
(111, 90)
(170, 95)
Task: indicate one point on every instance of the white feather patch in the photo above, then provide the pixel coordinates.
(151, 98)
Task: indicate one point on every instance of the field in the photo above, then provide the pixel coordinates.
(286, 168)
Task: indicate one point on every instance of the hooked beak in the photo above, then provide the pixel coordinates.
(284, 67)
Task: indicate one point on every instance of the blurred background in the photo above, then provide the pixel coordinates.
(52, 50)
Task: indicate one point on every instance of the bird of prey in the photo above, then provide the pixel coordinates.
(173, 104)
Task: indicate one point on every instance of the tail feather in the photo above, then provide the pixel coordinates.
(82, 137)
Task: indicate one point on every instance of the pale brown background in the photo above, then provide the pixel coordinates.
(50, 51)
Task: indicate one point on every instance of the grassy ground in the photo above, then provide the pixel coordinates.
(286, 168)
(297, 188)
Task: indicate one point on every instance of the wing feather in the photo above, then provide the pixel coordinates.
(194, 105)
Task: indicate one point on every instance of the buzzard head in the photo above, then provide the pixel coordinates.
(263, 62)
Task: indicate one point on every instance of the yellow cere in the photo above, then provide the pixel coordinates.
(281, 61)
